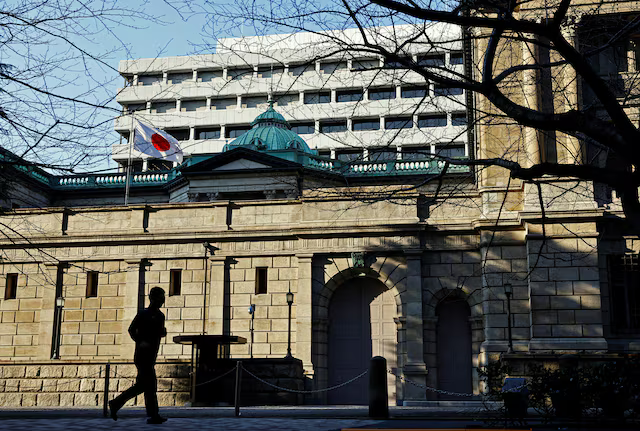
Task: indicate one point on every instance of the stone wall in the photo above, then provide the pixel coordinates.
(20, 317)
(76, 384)
(92, 326)
(271, 311)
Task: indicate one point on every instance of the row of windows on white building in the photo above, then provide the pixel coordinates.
(286, 99)
(273, 70)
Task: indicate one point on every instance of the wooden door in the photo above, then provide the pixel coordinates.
(453, 344)
(361, 326)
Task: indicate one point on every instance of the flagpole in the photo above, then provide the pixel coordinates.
(132, 134)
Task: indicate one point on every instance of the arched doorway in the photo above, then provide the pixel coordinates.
(361, 326)
(453, 346)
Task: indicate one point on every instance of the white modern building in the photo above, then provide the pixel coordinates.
(344, 104)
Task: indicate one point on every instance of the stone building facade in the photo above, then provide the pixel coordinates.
(399, 273)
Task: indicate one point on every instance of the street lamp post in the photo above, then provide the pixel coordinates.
(290, 302)
(508, 291)
(252, 312)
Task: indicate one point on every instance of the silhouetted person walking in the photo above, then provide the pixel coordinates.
(146, 330)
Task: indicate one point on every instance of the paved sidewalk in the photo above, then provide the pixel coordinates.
(318, 418)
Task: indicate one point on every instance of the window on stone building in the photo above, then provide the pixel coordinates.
(349, 95)
(11, 287)
(299, 69)
(456, 58)
(366, 64)
(209, 75)
(366, 124)
(382, 93)
(261, 280)
(315, 98)
(624, 276)
(459, 119)
(235, 74)
(440, 90)
(432, 120)
(149, 79)
(235, 131)
(179, 77)
(270, 71)
(333, 126)
(175, 282)
(163, 107)
(193, 105)
(92, 284)
(413, 92)
(398, 123)
(306, 128)
(431, 60)
(332, 66)
(450, 150)
(397, 64)
(179, 134)
(207, 132)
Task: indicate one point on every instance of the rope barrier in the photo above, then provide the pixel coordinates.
(219, 377)
(441, 391)
(306, 392)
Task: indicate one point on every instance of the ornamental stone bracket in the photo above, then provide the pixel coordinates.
(270, 194)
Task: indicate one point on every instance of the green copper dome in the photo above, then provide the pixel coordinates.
(270, 132)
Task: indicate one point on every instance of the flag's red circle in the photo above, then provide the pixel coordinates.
(159, 142)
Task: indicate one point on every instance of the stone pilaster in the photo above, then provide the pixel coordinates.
(45, 335)
(304, 312)
(134, 301)
(217, 293)
(414, 367)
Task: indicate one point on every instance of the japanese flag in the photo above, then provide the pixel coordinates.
(156, 143)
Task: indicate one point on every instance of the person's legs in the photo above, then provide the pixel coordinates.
(136, 389)
(149, 382)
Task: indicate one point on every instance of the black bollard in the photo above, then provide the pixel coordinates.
(378, 397)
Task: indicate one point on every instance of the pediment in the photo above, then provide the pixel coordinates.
(239, 159)
(241, 164)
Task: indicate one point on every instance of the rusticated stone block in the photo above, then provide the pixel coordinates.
(10, 400)
(87, 385)
(164, 385)
(70, 371)
(66, 400)
(51, 371)
(30, 385)
(32, 372)
(182, 398)
(88, 370)
(181, 385)
(167, 399)
(13, 372)
(68, 385)
(48, 400)
(29, 400)
(85, 400)
(11, 385)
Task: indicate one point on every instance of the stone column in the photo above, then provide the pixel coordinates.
(134, 301)
(414, 366)
(530, 84)
(217, 291)
(304, 308)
